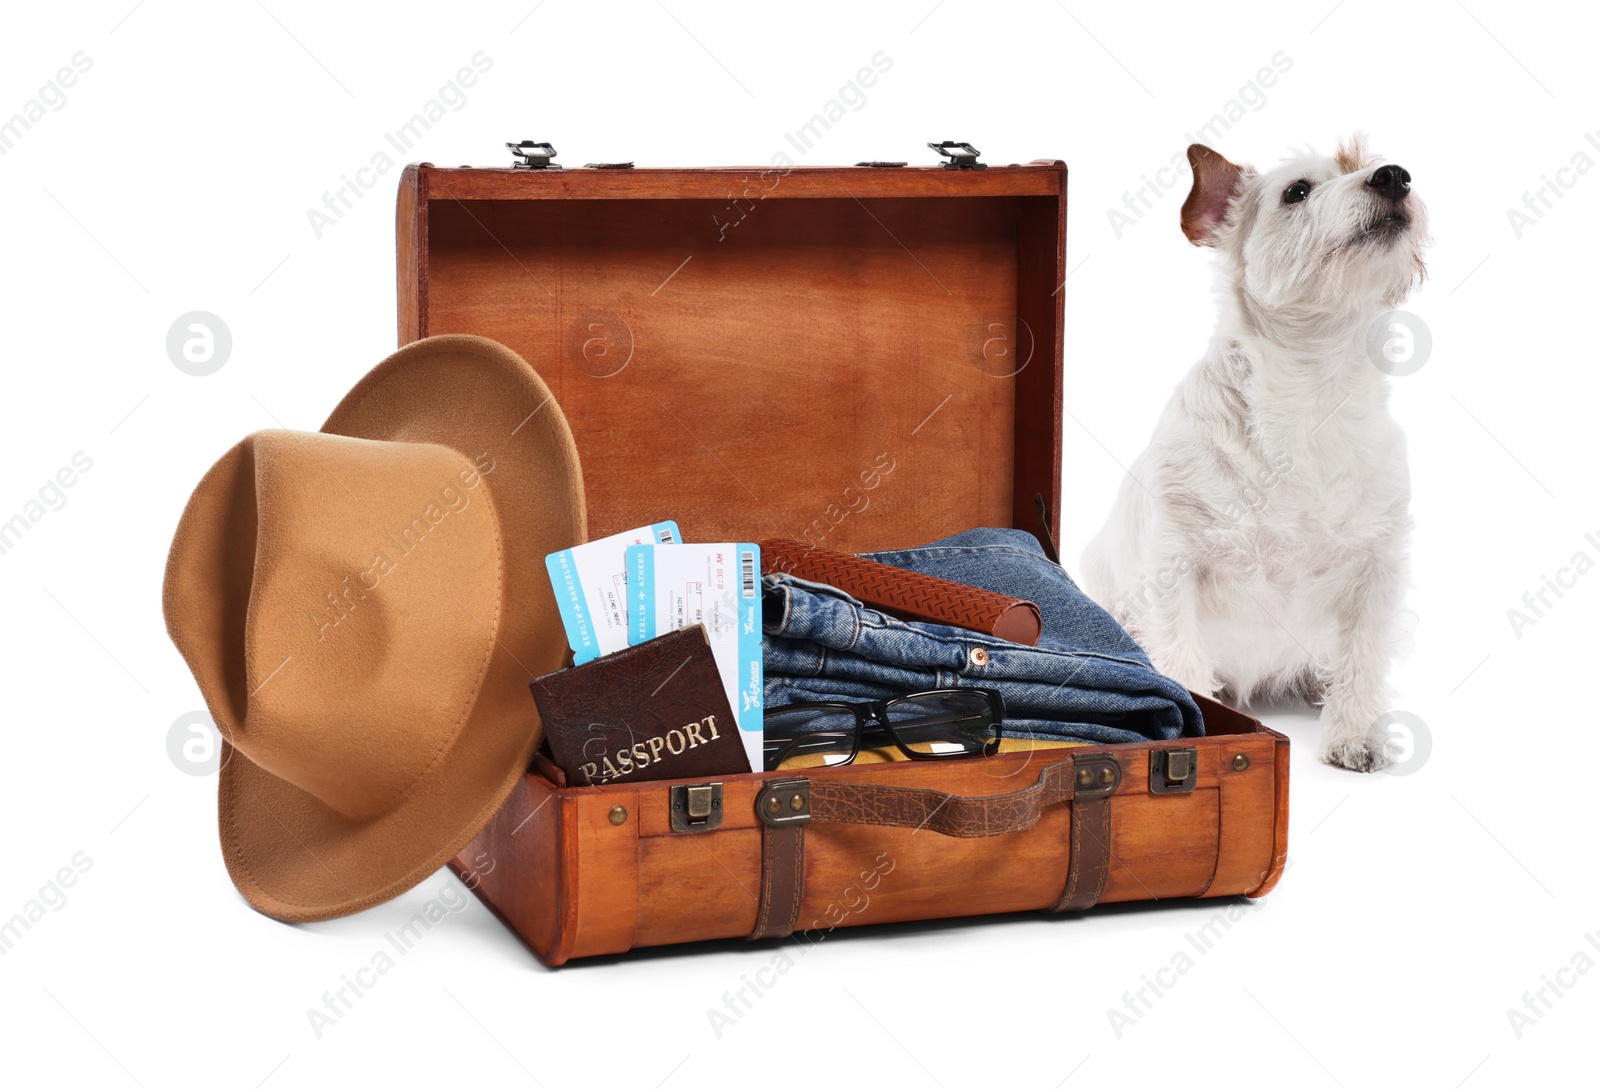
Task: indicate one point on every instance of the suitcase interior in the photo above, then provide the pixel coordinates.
(741, 351)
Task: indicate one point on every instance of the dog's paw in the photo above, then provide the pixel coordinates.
(1355, 753)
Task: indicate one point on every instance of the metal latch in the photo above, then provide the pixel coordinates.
(882, 162)
(533, 156)
(1173, 771)
(695, 807)
(962, 156)
(608, 166)
(784, 801)
(1096, 775)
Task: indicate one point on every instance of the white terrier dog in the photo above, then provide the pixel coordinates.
(1258, 545)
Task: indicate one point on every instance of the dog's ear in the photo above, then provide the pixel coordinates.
(1216, 181)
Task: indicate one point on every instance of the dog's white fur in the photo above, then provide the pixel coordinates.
(1258, 545)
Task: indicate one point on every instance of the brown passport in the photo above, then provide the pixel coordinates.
(653, 711)
(908, 595)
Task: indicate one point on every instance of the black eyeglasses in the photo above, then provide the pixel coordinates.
(924, 726)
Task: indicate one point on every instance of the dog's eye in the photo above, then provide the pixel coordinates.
(1297, 192)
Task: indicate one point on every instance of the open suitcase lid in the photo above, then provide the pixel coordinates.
(856, 357)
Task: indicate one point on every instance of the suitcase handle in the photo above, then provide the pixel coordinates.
(1085, 781)
(1086, 776)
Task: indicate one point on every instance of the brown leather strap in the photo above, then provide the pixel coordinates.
(936, 811)
(783, 880)
(909, 595)
(1090, 860)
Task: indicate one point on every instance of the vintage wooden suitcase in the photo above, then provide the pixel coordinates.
(858, 357)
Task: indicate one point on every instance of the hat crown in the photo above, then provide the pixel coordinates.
(372, 607)
(362, 614)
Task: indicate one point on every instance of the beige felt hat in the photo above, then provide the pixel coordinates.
(363, 608)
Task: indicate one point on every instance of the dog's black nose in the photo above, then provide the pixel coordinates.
(1392, 181)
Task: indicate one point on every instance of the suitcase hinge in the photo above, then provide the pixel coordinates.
(533, 156)
(695, 807)
(962, 156)
(1173, 771)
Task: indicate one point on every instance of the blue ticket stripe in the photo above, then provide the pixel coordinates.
(573, 606)
(751, 674)
(641, 593)
(667, 532)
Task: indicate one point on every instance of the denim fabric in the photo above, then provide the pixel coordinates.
(1086, 680)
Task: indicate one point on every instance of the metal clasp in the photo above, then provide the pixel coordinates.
(695, 807)
(1173, 771)
(962, 156)
(533, 156)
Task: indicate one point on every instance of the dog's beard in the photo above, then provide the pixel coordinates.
(1387, 228)
(1379, 260)
(1390, 245)
(1383, 226)
(1379, 263)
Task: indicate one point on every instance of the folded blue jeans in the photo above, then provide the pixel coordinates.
(1086, 680)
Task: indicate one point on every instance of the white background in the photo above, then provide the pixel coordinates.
(177, 176)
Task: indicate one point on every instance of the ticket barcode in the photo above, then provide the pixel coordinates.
(747, 573)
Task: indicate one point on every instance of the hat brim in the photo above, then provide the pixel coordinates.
(291, 855)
